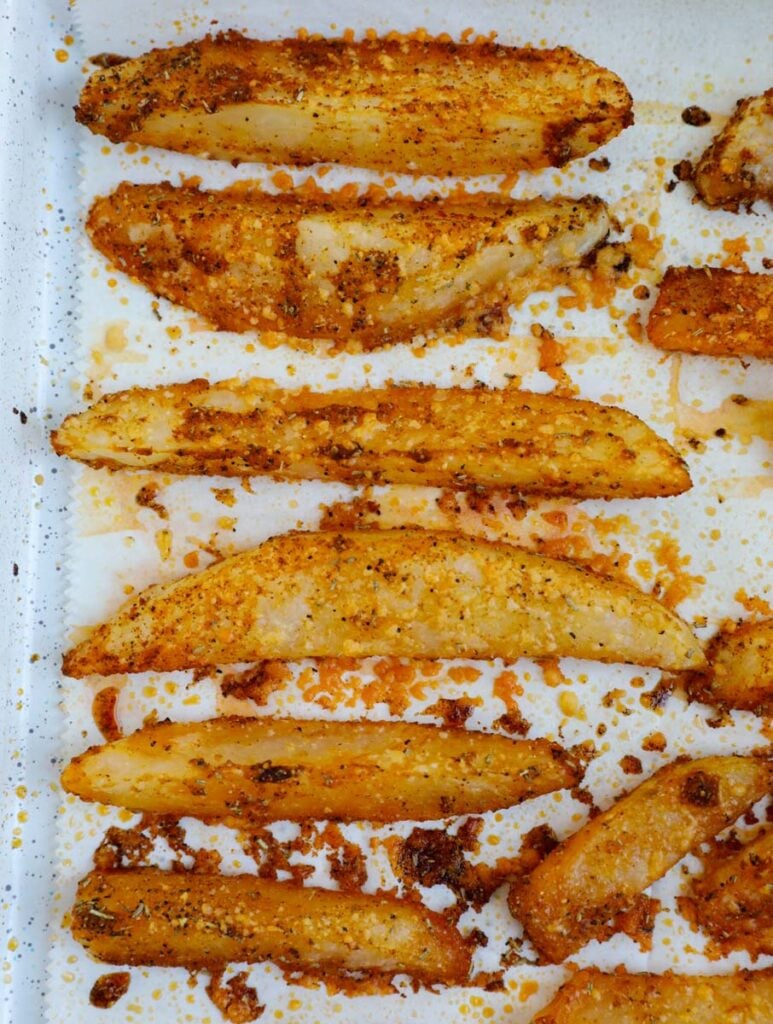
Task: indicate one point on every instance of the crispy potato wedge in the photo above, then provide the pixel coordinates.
(592, 997)
(575, 894)
(269, 769)
(170, 919)
(455, 437)
(713, 312)
(419, 106)
(360, 271)
(733, 898)
(409, 593)
(740, 671)
(737, 168)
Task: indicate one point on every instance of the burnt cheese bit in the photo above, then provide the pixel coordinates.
(109, 988)
(695, 116)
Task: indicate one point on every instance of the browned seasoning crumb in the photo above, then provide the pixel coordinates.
(599, 163)
(103, 711)
(683, 171)
(631, 765)
(641, 291)
(107, 60)
(257, 683)
(767, 262)
(146, 498)
(701, 790)
(237, 1001)
(453, 711)
(695, 116)
(225, 495)
(109, 988)
(655, 741)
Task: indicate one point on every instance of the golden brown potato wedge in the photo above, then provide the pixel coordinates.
(455, 437)
(733, 898)
(592, 997)
(269, 769)
(740, 670)
(714, 312)
(170, 919)
(575, 894)
(737, 168)
(397, 104)
(362, 272)
(409, 593)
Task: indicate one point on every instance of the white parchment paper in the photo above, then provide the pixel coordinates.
(670, 56)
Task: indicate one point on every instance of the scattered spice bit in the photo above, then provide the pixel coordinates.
(109, 988)
(225, 495)
(701, 789)
(146, 498)
(360, 513)
(695, 116)
(599, 163)
(347, 861)
(103, 711)
(655, 741)
(655, 699)
(631, 765)
(237, 1001)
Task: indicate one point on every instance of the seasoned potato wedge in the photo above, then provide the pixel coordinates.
(733, 898)
(187, 919)
(714, 312)
(737, 168)
(410, 593)
(575, 894)
(455, 437)
(269, 769)
(361, 271)
(740, 671)
(419, 106)
(591, 997)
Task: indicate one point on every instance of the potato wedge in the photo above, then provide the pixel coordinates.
(575, 894)
(740, 670)
(409, 593)
(357, 271)
(455, 437)
(592, 997)
(203, 922)
(737, 168)
(733, 898)
(258, 770)
(419, 106)
(713, 312)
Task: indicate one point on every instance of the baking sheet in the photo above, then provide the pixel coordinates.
(720, 526)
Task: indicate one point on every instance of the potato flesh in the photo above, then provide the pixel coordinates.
(413, 435)
(740, 673)
(403, 593)
(598, 872)
(359, 272)
(425, 107)
(264, 769)
(733, 898)
(591, 997)
(715, 312)
(737, 168)
(169, 919)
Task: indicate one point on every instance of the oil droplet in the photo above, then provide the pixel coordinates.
(115, 338)
(62, 56)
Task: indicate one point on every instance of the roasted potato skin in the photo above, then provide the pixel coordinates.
(454, 437)
(733, 899)
(713, 311)
(358, 272)
(737, 168)
(592, 997)
(597, 873)
(403, 593)
(259, 770)
(204, 922)
(406, 105)
(740, 669)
